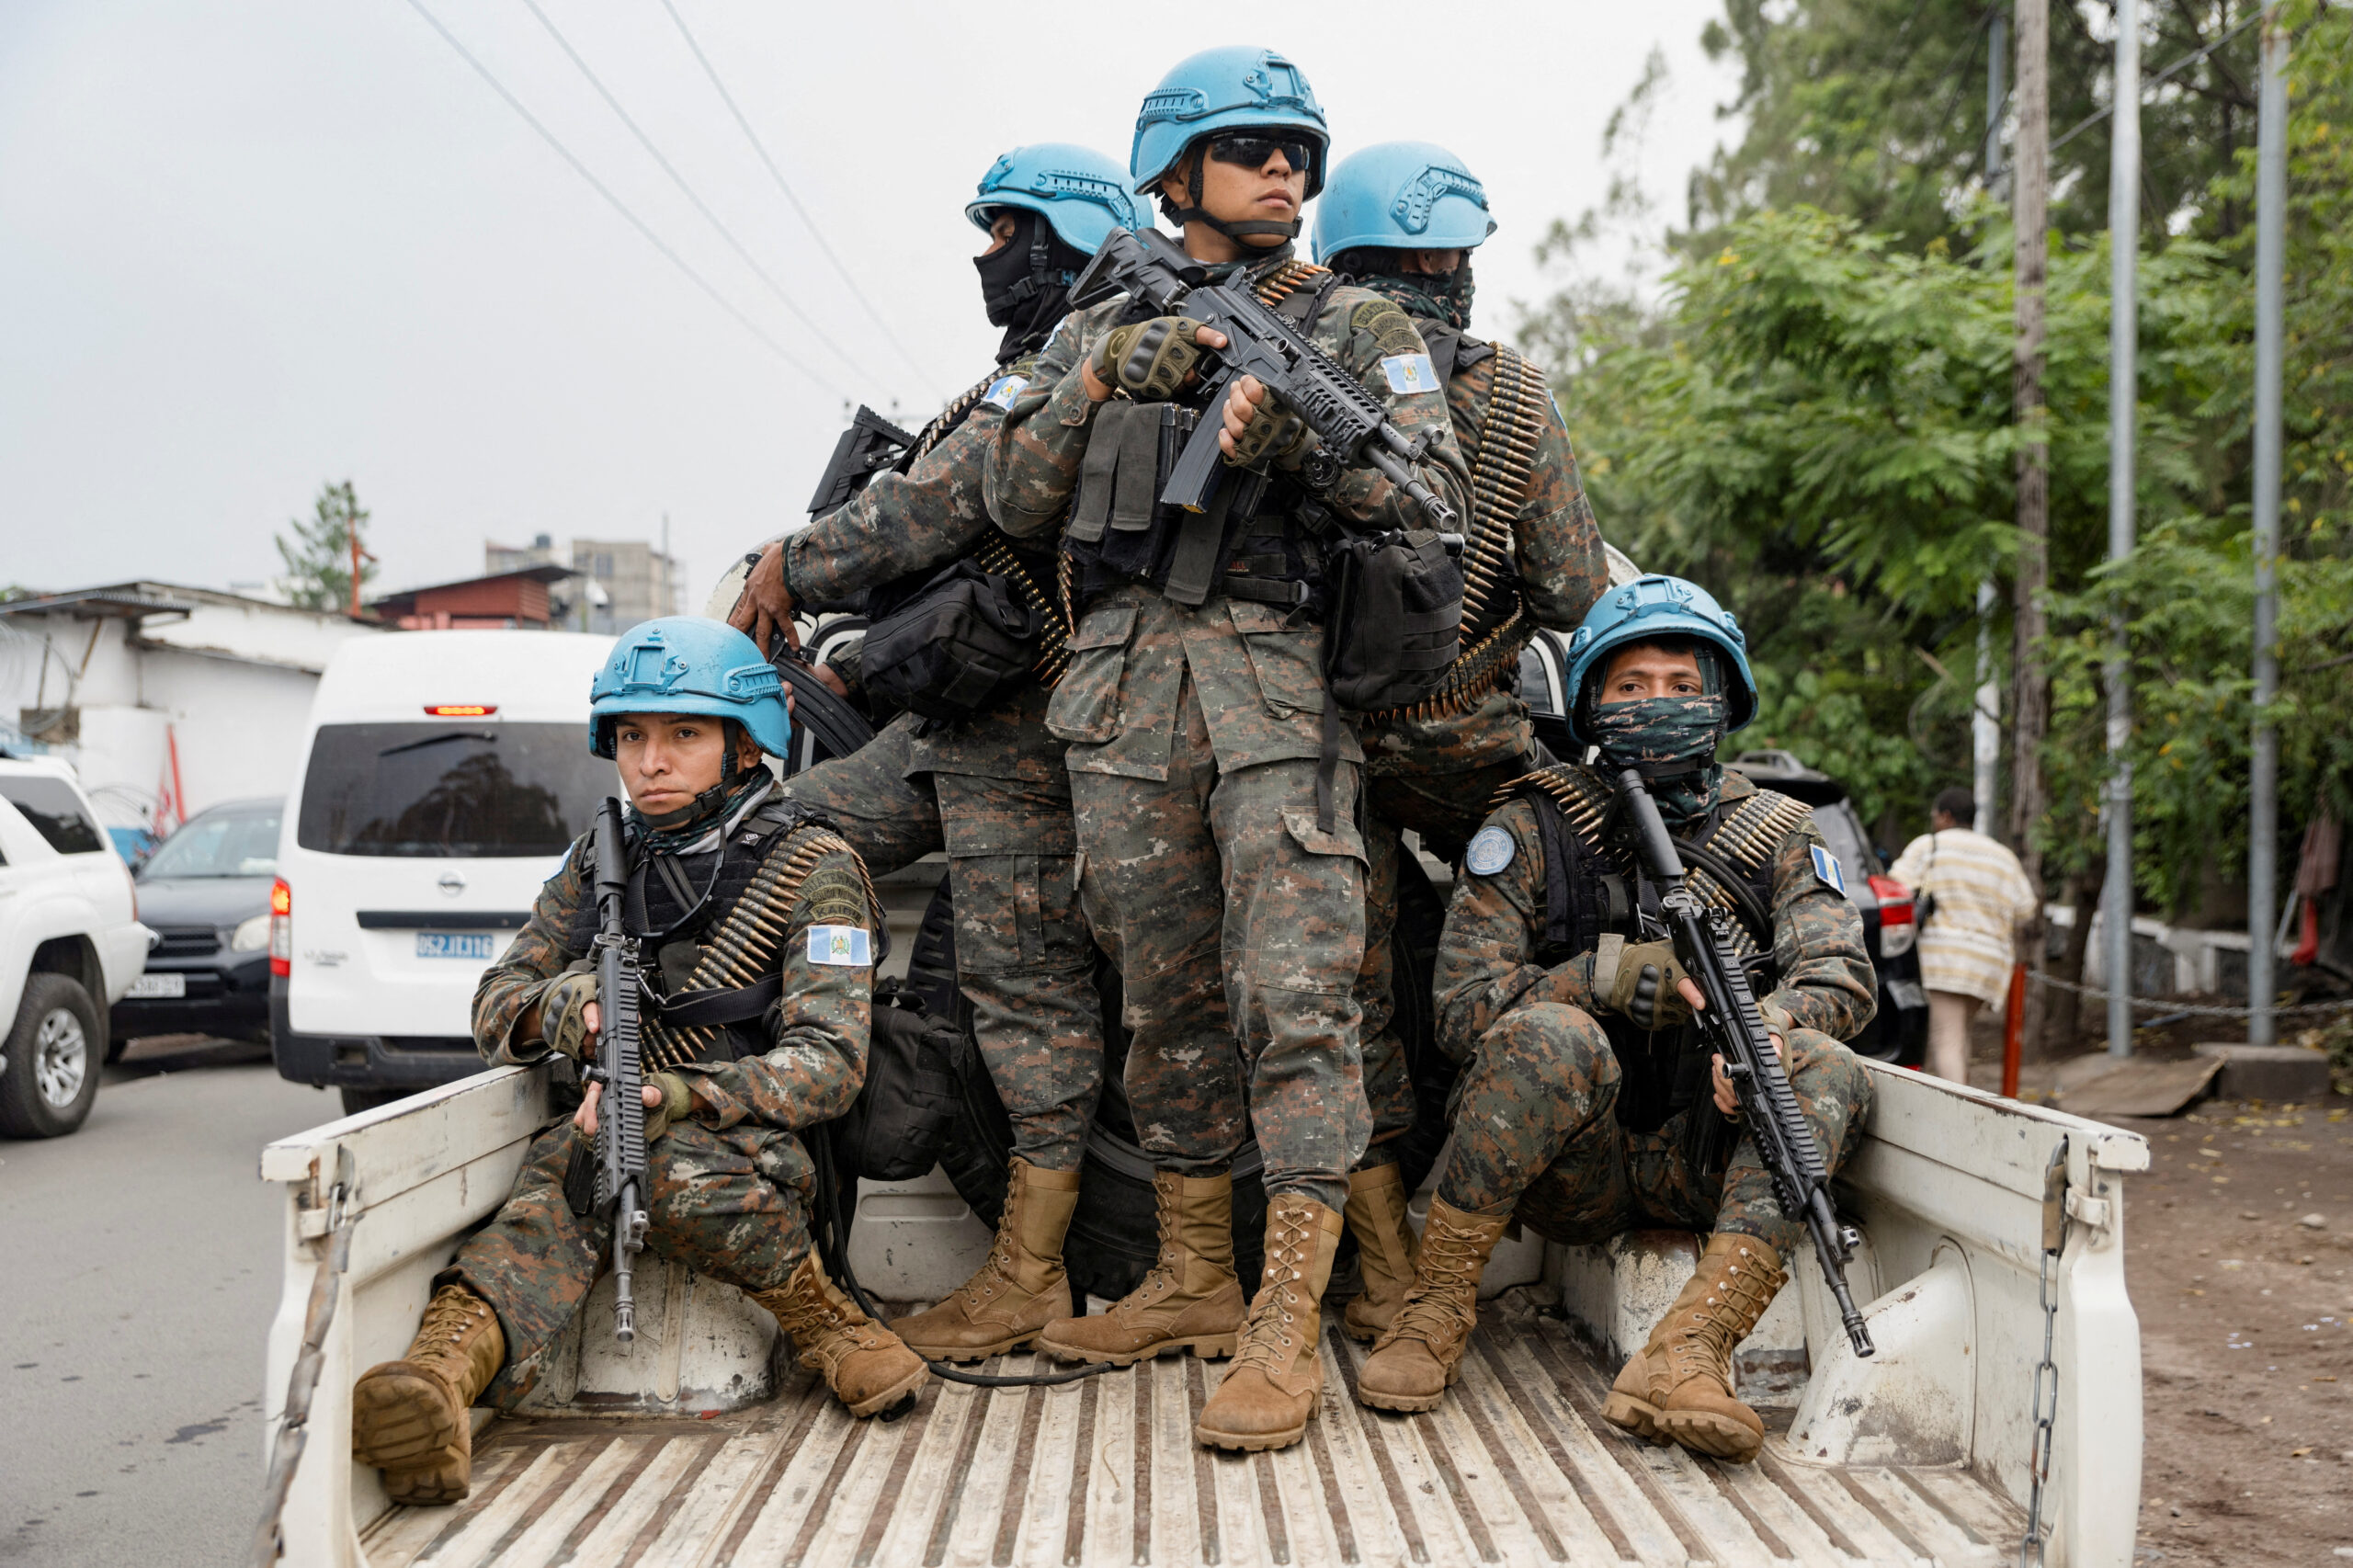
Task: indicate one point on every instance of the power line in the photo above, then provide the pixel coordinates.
(782, 185)
(2184, 62)
(677, 179)
(746, 323)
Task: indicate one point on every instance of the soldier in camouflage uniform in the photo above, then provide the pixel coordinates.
(1401, 220)
(688, 705)
(1584, 1109)
(991, 790)
(1220, 861)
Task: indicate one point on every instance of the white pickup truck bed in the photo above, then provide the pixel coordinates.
(1517, 1466)
(1917, 1455)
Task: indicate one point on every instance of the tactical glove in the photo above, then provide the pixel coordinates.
(678, 1101)
(1149, 360)
(562, 1021)
(1274, 431)
(1646, 986)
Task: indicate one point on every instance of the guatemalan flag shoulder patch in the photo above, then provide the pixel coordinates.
(1826, 870)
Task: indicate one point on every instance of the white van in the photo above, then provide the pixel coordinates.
(444, 774)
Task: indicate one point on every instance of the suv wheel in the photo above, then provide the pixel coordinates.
(52, 1078)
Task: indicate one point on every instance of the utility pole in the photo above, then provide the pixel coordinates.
(2270, 254)
(2123, 421)
(2030, 691)
(1985, 716)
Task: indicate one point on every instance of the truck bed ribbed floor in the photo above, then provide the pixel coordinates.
(1516, 1467)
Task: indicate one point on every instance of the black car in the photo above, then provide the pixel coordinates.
(205, 892)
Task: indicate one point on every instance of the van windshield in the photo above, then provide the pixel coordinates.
(436, 789)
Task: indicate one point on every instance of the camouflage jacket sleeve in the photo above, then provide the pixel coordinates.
(904, 522)
(536, 956)
(1485, 957)
(1033, 463)
(1827, 981)
(1033, 470)
(1563, 571)
(817, 1029)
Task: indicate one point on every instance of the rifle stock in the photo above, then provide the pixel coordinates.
(620, 1122)
(1735, 1031)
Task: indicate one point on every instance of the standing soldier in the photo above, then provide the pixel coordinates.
(988, 788)
(1401, 220)
(1584, 1102)
(717, 862)
(1215, 784)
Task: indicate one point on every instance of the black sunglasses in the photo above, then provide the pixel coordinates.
(1251, 149)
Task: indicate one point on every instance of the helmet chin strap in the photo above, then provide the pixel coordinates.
(1234, 231)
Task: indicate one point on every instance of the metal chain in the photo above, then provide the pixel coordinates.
(2162, 1004)
(2046, 1371)
(293, 1429)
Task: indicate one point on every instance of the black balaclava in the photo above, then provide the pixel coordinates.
(1434, 296)
(1026, 286)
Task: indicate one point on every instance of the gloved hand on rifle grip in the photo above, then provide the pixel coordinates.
(565, 1009)
(1151, 360)
(1647, 986)
(1259, 424)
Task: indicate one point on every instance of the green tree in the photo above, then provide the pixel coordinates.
(318, 555)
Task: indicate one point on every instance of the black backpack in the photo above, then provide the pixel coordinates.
(953, 647)
(903, 1114)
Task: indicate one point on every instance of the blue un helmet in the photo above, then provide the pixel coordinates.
(1233, 88)
(1401, 195)
(1081, 194)
(683, 663)
(1659, 608)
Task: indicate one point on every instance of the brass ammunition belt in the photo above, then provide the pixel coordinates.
(749, 942)
(945, 421)
(997, 558)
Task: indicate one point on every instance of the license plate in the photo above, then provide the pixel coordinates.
(453, 944)
(148, 986)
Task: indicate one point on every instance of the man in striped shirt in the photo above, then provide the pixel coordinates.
(1980, 894)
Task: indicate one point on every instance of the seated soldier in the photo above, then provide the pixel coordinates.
(1583, 1108)
(730, 886)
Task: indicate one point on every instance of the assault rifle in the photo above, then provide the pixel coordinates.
(1733, 1029)
(622, 1185)
(869, 446)
(1352, 424)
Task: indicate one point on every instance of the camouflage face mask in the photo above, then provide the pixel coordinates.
(1673, 741)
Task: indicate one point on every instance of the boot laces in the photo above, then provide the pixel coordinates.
(441, 1336)
(995, 1269)
(1721, 1321)
(1444, 1278)
(1269, 1337)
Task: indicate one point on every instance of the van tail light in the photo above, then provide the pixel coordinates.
(1897, 929)
(281, 928)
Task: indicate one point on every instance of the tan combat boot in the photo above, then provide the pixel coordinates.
(1277, 1373)
(1414, 1363)
(1189, 1300)
(1019, 1289)
(864, 1363)
(1385, 1250)
(1677, 1387)
(408, 1417)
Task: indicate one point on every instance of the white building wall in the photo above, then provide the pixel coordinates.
(239, 725)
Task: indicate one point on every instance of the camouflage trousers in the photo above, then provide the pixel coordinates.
(1419, 786)
(1024, 959)
(1536, 1133)
(1238, 929)
(732, 1204)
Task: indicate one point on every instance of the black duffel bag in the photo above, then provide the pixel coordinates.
(904, 1114)
(1396, 618)
(952, 647)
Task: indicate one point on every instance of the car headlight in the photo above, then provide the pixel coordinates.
(251, 935)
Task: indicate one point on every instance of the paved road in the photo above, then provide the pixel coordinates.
(139, 1267)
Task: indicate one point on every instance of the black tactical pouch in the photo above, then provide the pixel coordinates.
(904, 1114)
(1396, 618)
(955, 645)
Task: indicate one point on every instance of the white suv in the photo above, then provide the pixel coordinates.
(70, 946)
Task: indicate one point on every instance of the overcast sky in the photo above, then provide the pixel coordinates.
(247, 248)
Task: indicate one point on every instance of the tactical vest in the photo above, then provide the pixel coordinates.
(1260, 537)
(710, 929)
(1592, 889)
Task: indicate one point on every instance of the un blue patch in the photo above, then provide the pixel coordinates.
(1490, 851)
(1827, 871)
(1004, 389)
